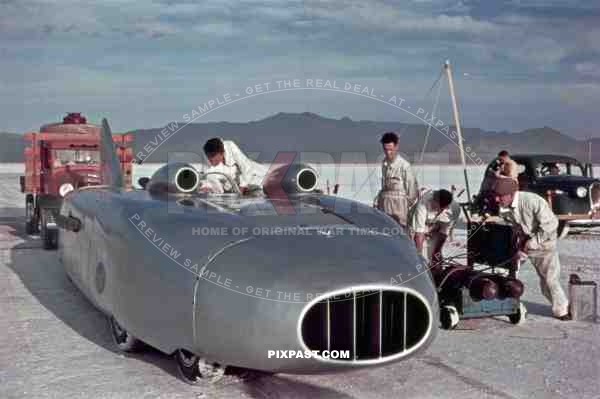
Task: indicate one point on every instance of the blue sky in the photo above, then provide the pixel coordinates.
(518, 64)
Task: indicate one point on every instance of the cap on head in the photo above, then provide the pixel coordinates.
(505, 186)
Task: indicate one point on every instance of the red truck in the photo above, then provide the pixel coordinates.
(60, 158)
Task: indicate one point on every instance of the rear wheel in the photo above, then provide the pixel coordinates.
(194, 369)
(31, 219)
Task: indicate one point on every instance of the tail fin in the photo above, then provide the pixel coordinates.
(110, 165)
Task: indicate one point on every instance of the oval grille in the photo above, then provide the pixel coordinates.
(373, 324)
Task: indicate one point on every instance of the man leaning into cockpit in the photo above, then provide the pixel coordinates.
(226, 159)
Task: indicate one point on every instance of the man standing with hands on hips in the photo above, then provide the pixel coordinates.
(399, 188)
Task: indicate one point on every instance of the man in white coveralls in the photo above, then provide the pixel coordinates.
(399, 188)
(532, 214)
(224, 156)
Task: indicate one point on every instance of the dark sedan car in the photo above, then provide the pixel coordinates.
(568, 185)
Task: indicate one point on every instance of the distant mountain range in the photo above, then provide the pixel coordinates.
(311, 133)
(11, 147)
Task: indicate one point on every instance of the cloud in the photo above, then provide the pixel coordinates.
(541, 52)
(588, 69)
(160, 57)
(381, 16)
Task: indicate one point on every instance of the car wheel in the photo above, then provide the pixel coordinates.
(31, 221)
(563, 230)
(122, 338)
(194, 370)
(48, 236)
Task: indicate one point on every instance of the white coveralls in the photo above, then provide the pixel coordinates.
(435, 225)
(399, 189)
(236, 165)
(535, 218)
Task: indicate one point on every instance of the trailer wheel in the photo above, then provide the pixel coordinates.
(48, 235)
(194, 369)
(31, 220)
(519, 316)
(122, 338)
(449, 317)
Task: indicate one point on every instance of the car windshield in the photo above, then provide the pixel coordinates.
(74, 157)
(558, 169)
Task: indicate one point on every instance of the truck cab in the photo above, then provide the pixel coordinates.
(60, 158)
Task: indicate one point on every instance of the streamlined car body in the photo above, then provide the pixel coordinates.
(237, 280)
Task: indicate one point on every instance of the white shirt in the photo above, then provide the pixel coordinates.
(535, 218)
(396, 175)
(423, 217)
(237, 166)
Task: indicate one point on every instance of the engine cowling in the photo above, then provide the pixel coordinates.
(291, 179)
(177, 177)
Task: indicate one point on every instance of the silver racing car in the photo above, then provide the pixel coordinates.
(246, 280)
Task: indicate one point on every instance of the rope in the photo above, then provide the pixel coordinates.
(435, 105)
(441, 74)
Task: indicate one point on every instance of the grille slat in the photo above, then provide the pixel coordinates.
(342, 324)
(380, 321)
(368, 330)
(370, 325)
(328, 326)
(354, 324)
(404, 320)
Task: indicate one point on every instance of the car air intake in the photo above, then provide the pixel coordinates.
(307, 179)
(372, 325)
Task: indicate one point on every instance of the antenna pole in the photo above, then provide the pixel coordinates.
(457, 123)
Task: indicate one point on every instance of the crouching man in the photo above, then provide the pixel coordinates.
(430, 221)
(534, 218)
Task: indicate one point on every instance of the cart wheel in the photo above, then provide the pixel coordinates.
(31, 221)
(122, 338)
(519, 316)
(48, 236)
(194, 369)
(449, 317)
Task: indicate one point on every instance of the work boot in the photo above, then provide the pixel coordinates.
(566, 317)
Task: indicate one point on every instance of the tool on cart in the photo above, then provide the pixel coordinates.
(487, 285)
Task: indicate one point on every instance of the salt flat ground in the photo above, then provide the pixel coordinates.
(54, 344)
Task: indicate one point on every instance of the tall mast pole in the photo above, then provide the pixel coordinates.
(457, 123)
